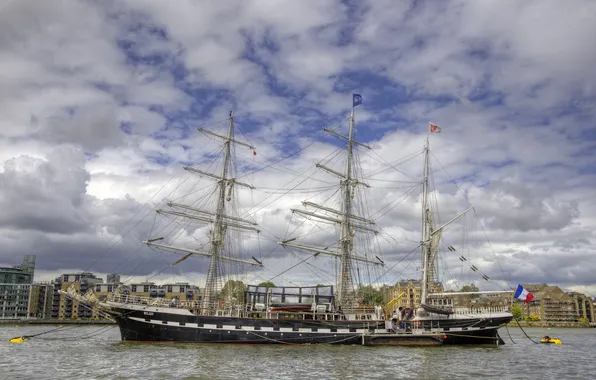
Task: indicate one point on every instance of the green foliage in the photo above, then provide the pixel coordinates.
(233, 291)
(370, 295)
(583, 320)
(267, 284)
(517, 311)
(470, 288)
(533, 318)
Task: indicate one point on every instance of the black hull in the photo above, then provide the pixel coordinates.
(165, 327)
(474, 337)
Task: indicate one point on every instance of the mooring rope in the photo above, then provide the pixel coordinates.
(527, 336)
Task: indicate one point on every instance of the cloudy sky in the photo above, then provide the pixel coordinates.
(100, 101)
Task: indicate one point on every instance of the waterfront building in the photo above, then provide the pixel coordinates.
(180, 291)
(584, 306)
(551, 304)
(19, 274)
(483, 300)
(64, 307)
(14, 300)
(411, 290)
(15, 288)
(40, 300)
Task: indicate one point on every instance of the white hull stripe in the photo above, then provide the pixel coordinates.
(245, 328)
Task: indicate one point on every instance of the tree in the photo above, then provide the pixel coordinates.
(517, 311)
(470, 288)
(370, 295)
(233, 291)
(267, 284)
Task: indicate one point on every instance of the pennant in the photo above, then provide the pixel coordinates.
(356, 100)
(434, 128)
(523, 295)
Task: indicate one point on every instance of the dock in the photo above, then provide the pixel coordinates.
(391, 338)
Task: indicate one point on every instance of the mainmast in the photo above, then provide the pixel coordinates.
(346, 291)
(346, 294)
(219, 220)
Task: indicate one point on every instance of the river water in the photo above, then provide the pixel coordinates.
(95, 352)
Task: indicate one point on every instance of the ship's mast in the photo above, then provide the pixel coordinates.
(426, 229)
(218, 232)
(219, 220)
(430, 235)
(346, 286)
(347, 221)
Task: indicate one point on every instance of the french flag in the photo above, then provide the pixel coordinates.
(523, 294)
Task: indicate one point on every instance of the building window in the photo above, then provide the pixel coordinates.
(170, 288)
(133, 288)
(146, 288)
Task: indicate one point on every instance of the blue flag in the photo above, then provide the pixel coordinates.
(356, 100)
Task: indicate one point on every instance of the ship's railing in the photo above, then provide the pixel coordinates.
(138, 300)
(234, 310)
(172, 303)
(481, 310)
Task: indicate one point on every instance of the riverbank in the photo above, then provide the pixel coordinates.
(56, 322)
(549, 324)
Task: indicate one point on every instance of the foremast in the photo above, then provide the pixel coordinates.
(346, 293)
(219, 220)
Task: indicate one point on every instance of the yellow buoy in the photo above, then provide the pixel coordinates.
(19, 339)
(551, 340)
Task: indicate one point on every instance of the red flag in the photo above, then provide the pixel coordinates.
(434, 128)
(254, 152)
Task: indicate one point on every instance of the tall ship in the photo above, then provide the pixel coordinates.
(329, 312)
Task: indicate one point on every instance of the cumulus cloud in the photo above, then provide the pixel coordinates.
(101, 101)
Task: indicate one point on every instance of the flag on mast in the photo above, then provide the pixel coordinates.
(356, 100)
(434, 128)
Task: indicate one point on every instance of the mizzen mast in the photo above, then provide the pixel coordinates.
(431, 236)
(427, 266)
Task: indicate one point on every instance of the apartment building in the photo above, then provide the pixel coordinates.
(15, 288)
(551, 304)
(584, 306)
(181, 291)
(411, 288)
(40, 300)
(64, 307)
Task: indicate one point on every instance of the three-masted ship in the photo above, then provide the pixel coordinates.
(333, 314)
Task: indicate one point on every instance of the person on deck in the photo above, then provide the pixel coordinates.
(400, 315)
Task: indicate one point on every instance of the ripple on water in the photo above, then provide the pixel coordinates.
(63, 355)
